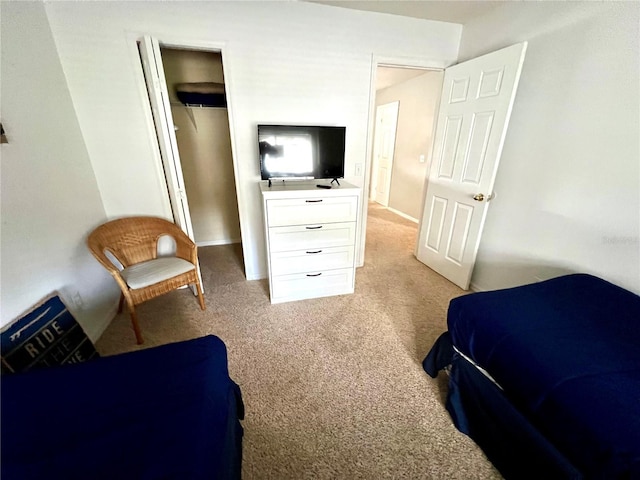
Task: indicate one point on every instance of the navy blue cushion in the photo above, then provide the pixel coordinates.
(567, 354)
(165, 412)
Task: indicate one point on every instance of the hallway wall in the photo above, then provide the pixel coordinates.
(418, 97)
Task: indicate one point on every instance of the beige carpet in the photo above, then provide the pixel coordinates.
(334, 387)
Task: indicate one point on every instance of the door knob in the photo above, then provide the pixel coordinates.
(479, 197)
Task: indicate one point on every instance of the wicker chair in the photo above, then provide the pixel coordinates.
(141, 273)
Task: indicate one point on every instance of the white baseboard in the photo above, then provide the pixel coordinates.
(99, 327)
(213, 243)
(403, 215)
(474, 287)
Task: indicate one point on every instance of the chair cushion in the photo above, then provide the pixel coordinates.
(153, 271)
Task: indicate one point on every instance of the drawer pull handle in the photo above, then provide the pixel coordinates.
(313, 201)
(313, 228)
(317, 251)
(314, 274)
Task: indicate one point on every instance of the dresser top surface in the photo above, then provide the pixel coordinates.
(293, 189)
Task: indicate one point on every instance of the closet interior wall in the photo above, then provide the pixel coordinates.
(204, 146)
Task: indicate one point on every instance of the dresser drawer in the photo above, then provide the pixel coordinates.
(301, 211)
(320, 284)
(312, 260)
(283, 239)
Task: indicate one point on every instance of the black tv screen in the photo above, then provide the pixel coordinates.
(296, 151)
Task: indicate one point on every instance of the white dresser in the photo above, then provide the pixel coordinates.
(311, 239)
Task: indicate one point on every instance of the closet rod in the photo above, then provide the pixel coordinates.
(190, 107)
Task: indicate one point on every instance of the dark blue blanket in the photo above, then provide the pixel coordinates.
(169, 412)
(567, 354)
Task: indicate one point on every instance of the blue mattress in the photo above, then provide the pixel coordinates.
(566, 354)
(168, 412)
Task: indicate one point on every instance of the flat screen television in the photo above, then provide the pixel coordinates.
(301, 152)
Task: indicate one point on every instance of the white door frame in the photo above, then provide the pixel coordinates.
(192, 44)
(383, 61)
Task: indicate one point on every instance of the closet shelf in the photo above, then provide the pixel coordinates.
(194, 105)
(208, 94)
(200, 95)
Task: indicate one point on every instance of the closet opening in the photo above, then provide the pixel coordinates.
(188, 98)
(195, 83)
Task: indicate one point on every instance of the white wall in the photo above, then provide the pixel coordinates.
(419, 98)
(569, 181)
(284, 62)
(50, 199)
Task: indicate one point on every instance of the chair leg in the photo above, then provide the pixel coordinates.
(200, 296)
(136, 327)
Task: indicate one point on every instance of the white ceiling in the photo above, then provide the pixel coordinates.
(454, 11)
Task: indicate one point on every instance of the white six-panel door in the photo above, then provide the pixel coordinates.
(384, 150)
(476, 103)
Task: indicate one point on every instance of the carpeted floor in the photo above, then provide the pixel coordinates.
(333, 387)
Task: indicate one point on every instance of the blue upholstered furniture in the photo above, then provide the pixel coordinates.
(546, 377)
(169, 412)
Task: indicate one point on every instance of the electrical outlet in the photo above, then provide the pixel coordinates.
(77, 300)
(421, 158)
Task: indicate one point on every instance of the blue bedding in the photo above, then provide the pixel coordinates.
(168, 412)
(566, 353)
